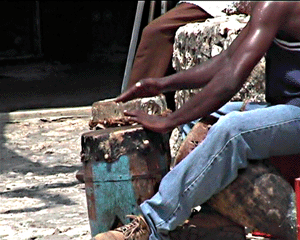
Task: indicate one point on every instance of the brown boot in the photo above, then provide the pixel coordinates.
(138, 229)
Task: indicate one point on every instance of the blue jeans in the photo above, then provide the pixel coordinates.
(257, 133)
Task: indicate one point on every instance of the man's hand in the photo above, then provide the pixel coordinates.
(145, 88)
(154, 123)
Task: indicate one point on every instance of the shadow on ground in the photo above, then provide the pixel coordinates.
(13, 164)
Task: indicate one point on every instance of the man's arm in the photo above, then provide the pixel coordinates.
(222, 76)
(236, 65)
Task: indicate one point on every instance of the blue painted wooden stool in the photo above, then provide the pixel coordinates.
(123, 167)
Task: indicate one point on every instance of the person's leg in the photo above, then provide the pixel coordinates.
(154, 53)
(211, 166)
(227, 108)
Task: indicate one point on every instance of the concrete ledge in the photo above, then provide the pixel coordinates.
(82, 112)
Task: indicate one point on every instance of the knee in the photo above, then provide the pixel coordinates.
(230, 125)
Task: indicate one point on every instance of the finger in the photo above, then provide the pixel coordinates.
(124, 97)
(130, 114)
(133, 113)
(134, 119)
(130, 94)
(127, 96)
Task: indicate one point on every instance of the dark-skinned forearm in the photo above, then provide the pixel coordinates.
(200, 75)
(195, 77)
(237, 63)
(214, 95)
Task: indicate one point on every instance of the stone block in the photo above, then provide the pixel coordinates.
(108, 113)
(196, 43)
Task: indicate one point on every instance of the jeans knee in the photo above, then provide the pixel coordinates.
(229, 125)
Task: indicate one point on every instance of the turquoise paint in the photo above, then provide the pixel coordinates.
(114, 194)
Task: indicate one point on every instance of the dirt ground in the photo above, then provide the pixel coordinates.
(40, 196)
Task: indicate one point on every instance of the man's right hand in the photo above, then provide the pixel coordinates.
(145, 88)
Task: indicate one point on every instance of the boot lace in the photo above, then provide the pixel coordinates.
(136, 229)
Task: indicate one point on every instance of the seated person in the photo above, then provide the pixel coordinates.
(257, 133)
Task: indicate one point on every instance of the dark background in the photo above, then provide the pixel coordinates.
(64, 53)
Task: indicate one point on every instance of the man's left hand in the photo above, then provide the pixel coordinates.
(154, 123)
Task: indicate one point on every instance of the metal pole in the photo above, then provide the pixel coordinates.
(151, 11)
(133, 43)
(163, 7)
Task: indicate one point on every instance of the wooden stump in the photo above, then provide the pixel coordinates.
(123, 163)
(260, 198)
(123, 167)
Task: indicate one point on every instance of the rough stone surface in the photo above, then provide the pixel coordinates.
(106, 111)
(260, 198)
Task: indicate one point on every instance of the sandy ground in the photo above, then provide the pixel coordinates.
(40, 196)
